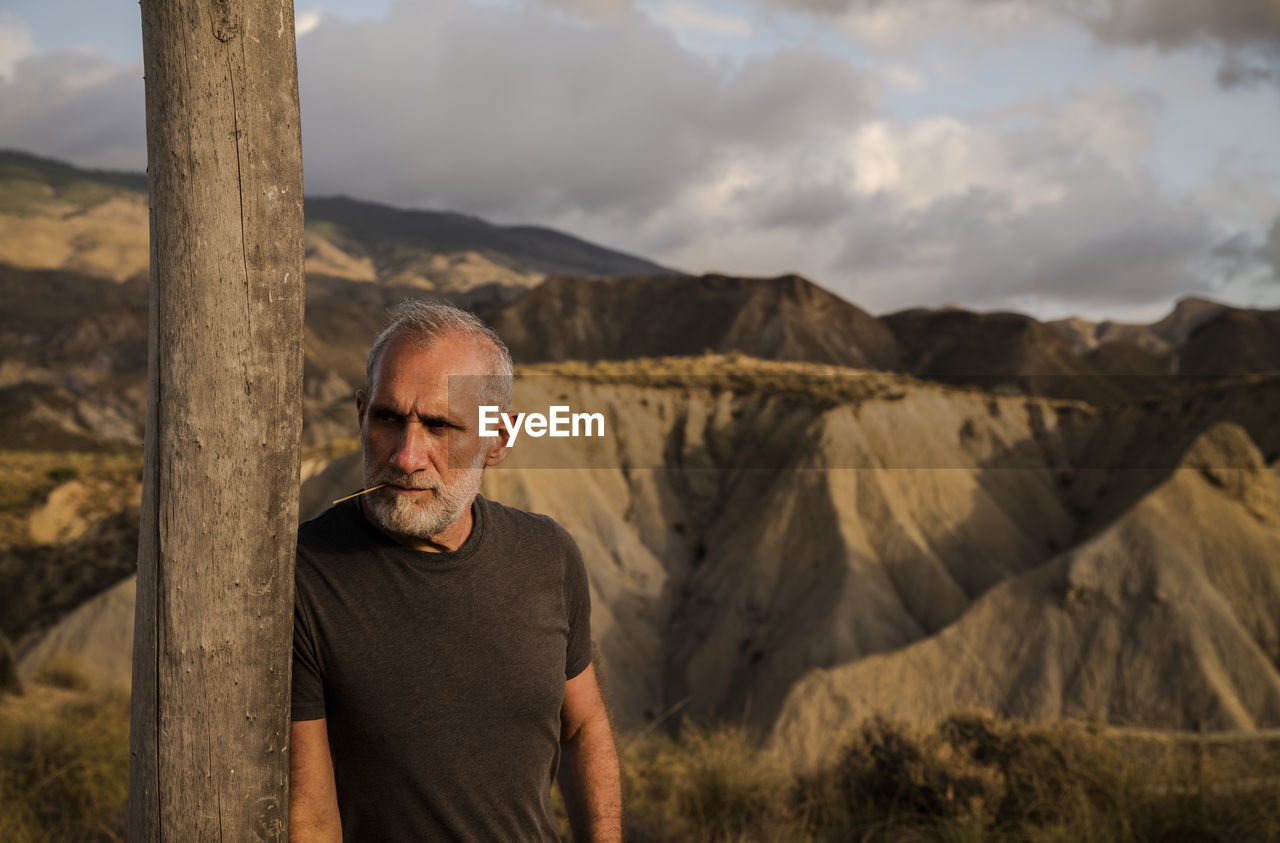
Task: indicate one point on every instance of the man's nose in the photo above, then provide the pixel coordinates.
(413, 451)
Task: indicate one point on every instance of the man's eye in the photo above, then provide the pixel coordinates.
(385, 416)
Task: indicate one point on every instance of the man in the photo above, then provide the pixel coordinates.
(442, 658)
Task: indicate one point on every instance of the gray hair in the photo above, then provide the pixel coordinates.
(424, 322)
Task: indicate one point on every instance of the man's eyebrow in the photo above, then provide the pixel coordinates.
(435, 418)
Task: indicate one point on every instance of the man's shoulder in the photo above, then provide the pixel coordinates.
(522, 524)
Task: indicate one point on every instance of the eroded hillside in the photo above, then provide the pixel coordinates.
(756, 532)
(1167, 617)
(912, 513)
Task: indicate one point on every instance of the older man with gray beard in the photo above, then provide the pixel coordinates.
(443, 670)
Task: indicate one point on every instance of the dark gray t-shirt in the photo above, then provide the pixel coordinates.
(441, 675)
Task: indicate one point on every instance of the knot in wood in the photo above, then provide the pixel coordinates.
(226, 23)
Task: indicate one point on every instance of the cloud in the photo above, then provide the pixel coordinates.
(304, 22)
(615, 130)
(76, 105)
(913, 26)
(15, 45)
(989, 214)
(1163, 23)
(1031, 213)
(1238, 71)
(1246, 33)
(517, 114)
(1177, 23)
(593, 9)
(689, 18)
(984, 214)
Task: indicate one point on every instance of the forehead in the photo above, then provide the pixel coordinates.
(406, 371)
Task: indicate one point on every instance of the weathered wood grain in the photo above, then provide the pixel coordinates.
(215, 560)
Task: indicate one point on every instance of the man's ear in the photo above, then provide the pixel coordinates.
(500, 446)
(362, 403)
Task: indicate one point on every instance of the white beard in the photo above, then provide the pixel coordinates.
(422, 516)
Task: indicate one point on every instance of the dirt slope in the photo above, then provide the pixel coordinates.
(1165, 618)
(745, 531)
(736, 540)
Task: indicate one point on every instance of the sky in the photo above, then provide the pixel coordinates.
(1101, 158)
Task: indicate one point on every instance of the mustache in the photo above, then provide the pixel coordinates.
(407, 481)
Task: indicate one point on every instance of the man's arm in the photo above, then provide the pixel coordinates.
(313, 797)
(590, 779)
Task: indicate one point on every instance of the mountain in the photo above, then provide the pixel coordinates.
(1159, 619)
(1157, 338)
(958, 344)
(800, 512)
(405, 246)
(753, 527)
(1198, 338)
(56, 216)
(93, 224)
(1233, 341)
(1122, 357)
(1102, 363)
(784, 318)
(1003, 351)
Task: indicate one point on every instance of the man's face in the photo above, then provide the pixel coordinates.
(422, 439)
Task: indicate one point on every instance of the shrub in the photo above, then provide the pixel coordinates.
(64, 671)
(64, 768)
(63, 473)
(976, 777)
(709, 785)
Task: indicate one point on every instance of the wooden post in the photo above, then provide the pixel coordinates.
(224, 415)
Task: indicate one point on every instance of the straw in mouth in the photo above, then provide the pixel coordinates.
(359, 493)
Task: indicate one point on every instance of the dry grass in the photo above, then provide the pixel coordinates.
(972, 778)
(64, 671)
(64, 776)
(64, 764)
(710, 785)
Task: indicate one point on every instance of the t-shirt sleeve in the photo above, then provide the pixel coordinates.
(577, 602)
(308, 686)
